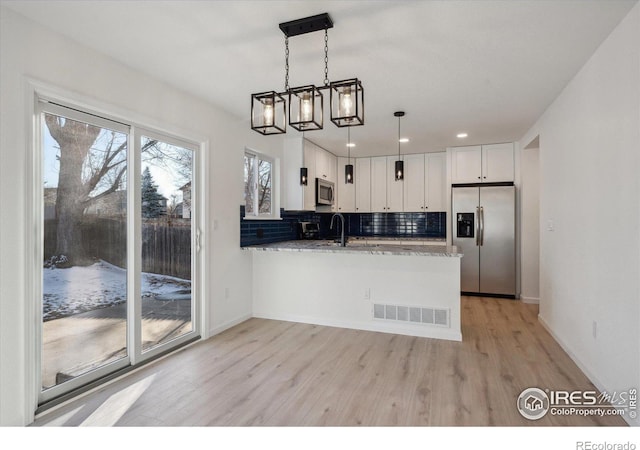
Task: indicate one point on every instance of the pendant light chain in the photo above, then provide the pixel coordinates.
(326, 57)
(286, 63)
(398, 138)
(348, 145)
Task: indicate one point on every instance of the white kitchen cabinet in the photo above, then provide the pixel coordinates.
(466, 164)
(414, 183)
(325, 164)
(296, 154)
(425, 182)
(346, 192)
(395, 189)
(379, 184)
(363, 184)
(482, 163)
(497, 163)
(435, 169)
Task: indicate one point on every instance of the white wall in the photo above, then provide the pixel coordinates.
(590, 190)
(286, 288)
(29, 50)
(529, 225)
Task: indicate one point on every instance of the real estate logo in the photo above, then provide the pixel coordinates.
(533, 403)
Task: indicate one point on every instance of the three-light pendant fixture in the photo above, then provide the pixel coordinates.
(305, 104)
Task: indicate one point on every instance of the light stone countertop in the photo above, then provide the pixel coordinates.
(353, 246)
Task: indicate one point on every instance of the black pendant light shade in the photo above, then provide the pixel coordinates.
(268, 113)
(305, 108)
(348, 174)
(399, 170)
(347, 103)
(304, 179)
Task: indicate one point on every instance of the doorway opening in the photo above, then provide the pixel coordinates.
(530, 222)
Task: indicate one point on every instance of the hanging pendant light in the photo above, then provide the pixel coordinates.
(348, 169)
(347, 103)
(306, 103)
(305, 108)
(268, 113)
(399, 168)
(304, 173)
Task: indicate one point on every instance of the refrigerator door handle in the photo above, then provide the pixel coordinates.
(481, 222)
(477, 225)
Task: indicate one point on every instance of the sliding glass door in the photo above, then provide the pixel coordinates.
(117, 248)
(166, 240)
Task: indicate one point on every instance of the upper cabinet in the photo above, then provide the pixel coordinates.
(362, 179)
(435, 170)
(395, 191)
(320, 163)
(379, 184)
(497, 163)
(424, 182)
(386, 192)
(298, 197)
(414, 182)
(375, 188)
(325, 164)
(482, 164)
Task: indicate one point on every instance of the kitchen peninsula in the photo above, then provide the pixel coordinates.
(393, 287)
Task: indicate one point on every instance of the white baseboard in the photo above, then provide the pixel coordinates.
(228, 324)
(531, 300)
(600, 386)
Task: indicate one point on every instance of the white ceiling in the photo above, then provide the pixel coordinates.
(489, 68)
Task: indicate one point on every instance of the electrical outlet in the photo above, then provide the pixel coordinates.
(367, 293)
(594, 329)
(550, 224)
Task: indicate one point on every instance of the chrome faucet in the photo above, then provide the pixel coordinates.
(343, 242)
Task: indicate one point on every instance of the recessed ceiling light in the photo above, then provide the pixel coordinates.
(403, 140)
(351, 144)
(461, 135)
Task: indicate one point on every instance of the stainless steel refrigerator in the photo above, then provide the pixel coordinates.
(484, 230)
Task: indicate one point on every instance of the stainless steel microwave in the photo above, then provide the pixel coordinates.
(324, 192)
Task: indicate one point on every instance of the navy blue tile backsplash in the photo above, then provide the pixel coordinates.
(410, 225)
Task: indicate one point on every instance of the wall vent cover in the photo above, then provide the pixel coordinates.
(413, 314)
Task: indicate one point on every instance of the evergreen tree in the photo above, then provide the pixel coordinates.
(151, 199)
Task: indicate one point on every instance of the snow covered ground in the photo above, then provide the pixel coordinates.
(78, 289)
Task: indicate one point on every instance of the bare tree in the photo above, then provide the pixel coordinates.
(92, 165)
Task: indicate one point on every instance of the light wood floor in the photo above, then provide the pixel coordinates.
(265, 372)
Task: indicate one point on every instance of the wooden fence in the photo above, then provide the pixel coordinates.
(166, 248)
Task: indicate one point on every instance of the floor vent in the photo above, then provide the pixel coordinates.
(426, 316)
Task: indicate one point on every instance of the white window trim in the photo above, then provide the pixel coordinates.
(275, 186)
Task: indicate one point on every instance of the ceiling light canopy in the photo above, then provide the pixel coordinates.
(306, 103)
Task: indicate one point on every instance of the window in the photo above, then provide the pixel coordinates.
(259, 192)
